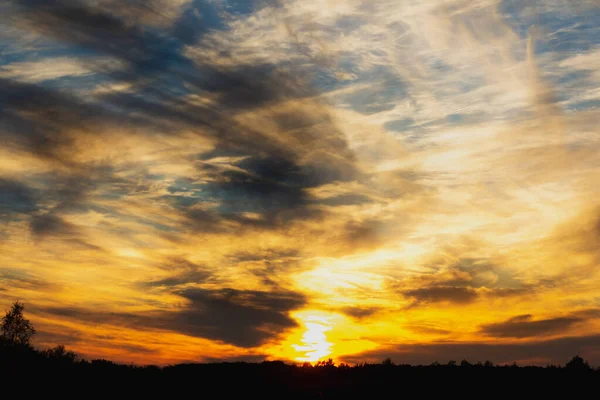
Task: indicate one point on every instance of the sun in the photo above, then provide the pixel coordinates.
(315, 345)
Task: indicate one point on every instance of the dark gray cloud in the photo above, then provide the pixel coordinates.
(16, 278)
(47, 337)
(555, 351)
(523, 326)
(267, 255)
(48, 224)
(46, 121)
(25, 111)
(360, 312)
(363, 233)
(438, 294)
(268, 265)
(590, 313)
(427, 329)
(510, 292)
(349, 199)
(183, 272)
(16, 198)
(269, 185)
(273, 184)
(465, 281)
(79, 23)
(183, 279)
(243, 318)
(133, 348)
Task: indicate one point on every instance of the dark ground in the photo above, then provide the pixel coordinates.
(60, 373)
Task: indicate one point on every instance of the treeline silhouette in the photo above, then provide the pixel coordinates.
(59, 371)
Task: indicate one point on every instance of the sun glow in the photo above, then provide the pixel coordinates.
(315, 345)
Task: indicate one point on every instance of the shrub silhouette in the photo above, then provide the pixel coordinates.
(60, 353)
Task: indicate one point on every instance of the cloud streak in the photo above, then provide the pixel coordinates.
(524, 326)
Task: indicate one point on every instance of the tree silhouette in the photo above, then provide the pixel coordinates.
(388, 362)
(326, 364)
(578, 363)
(17, 330)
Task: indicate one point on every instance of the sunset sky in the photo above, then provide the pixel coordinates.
(201, 180)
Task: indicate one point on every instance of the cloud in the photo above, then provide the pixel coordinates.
(272, 271)
(360, 313)
(523, 326)
(348, 199)
(244, 318)
(41, 120)
(43, 225)
(363, 233)
(14, 278)
(438, 294)
(427, 329)
(16, 198)
(84, 25)
(452, 277)
(269, 186)
(47, 69)
(266, 255)
(278, 165)
(50, 336)
(186, 273)
(553, 351)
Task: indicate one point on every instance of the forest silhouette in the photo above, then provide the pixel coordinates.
(19, 360)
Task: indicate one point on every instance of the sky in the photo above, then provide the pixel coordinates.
(202, 180)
